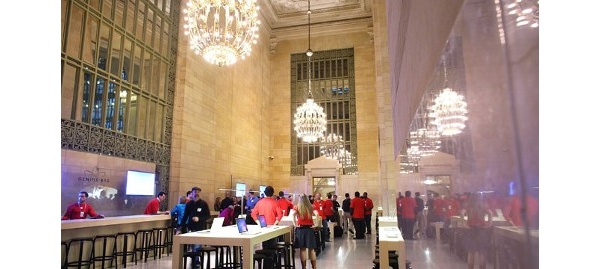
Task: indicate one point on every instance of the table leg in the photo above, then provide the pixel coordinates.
(177, 254)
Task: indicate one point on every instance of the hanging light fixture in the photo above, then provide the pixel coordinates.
(332, 147)
(449, 110)
(526, 11)
(310, 120)
(222, 31)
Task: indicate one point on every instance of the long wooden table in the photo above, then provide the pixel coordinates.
(390, 238)
(230, 236)
(387, 221)
(511, 248)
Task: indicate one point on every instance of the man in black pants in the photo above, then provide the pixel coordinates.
(357, 206)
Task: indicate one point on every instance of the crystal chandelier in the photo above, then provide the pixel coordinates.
(310, 120)
(527, 12)
(448, 112)
(332, 147)
(221, 30)
(424, 142)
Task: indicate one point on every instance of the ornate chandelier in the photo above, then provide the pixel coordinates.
(449, 112)
(221, 30)
(309, 120)
(527, 12)
(424, 142)
(332, 147)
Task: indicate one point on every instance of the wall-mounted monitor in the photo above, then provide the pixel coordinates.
(261, 190)
(140, 183)
(240, 189)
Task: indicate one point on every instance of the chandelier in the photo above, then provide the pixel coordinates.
(332, 147)
(423, 142)
(309, 120)
(527, 12)
(448, 112)
(221, 30)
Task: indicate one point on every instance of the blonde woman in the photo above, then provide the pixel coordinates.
(304, 236)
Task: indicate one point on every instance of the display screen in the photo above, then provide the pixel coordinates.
(240, 189)
(261, 189)
(140, 183)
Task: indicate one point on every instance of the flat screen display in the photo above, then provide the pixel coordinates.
(240, 189)
(261, 190)
(140, 183)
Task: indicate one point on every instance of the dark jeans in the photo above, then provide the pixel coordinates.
(368, 223)
(407, 229)
(359, 226)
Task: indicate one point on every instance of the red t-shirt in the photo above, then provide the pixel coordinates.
(303, 220)
(319, 205)
(357, 205)
(408, 207)
(152, 207)
(368, 206)
(285, 205)
(328, 208)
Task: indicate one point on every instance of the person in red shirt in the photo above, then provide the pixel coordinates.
(153, 206)
(328, 208)
(479, 232)
(304, 236)
(438, 208)
(319, 206)
(399, 209)
(284, 204)
(409, 204)
(357, 208)
(269, 208)
(512, 210)
(451, 208)
(81, 209)
(368, 212)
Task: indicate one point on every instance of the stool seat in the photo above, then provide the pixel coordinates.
(144, 240)
(105, 249)
(126, 247)
(80, 252)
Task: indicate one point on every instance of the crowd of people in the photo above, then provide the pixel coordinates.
(413, 213)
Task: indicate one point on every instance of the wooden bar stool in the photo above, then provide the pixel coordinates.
(84, 253)
(144, 240)
(126, 241)
(105, 249)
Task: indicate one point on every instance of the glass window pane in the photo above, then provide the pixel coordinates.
(98, 101)
(140, 22)
(159, 126)
(69, 80)
(73, 43)
(104, 39)
(129, 18)
(150, 28)
(86, 101)
(137, 65)
(127, 62)
(110, 105)
(95, 4)
(107, 9)
(115, 63)
(161, 78)
(151, 126)
(91, 40)
(142, 116)
(133, 111)
(122, 104)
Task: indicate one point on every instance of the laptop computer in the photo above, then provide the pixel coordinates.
(243, 228)
(217, 223)
(262, 220)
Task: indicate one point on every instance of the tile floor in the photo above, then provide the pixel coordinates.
(346, 253)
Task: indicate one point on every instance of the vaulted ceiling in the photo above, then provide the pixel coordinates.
(287, 19)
